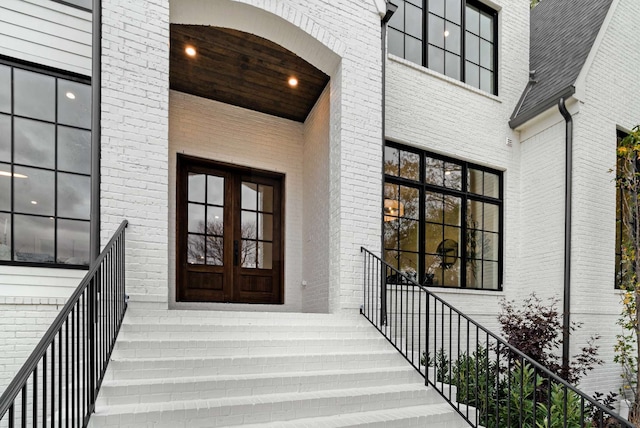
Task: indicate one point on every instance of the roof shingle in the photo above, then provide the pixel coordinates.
(562, 35)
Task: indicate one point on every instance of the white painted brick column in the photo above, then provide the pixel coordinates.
(135, 79)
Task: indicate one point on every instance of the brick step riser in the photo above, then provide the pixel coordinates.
(290, 317)
(185, 323)
(244, 335)
(144, 369)
(428, 417)
(201, 326)
(227, 347)
(220, 416)
(202, 389)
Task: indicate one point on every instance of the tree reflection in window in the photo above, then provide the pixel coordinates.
(442, 219)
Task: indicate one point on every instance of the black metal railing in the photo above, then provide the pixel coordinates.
(58, 384)
(488, 382)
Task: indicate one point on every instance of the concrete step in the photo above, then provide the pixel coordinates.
(244, 331)
(262, 408)
(160, 316)
(214, 369)
(139, 348)
(118, 392)
(150, 368)
(431, 415)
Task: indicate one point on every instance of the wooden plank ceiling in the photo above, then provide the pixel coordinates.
(244, 70)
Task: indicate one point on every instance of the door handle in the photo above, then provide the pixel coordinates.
(236, 252)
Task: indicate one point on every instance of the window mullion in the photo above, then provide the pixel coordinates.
(463, 231)
(494, 46)
(425, 29)
(463, 37)
(500, 231)
(12, 170)
(55, 177)
(421, 224)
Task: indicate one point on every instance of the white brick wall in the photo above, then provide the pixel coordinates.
(135, 79)
(315, 217)
(213, 130)
(542, 187)
(23, 321)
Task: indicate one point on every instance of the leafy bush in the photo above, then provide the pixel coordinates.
(440, 364)
(474, 377)
(504, 390)
(536, 330)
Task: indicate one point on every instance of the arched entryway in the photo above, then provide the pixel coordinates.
(249, 160)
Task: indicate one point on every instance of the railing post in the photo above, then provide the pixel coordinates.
(93, 302)
(383, 294)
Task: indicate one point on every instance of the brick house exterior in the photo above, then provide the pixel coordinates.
(333, 161)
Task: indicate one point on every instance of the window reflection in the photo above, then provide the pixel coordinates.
(5, 138)
(5, 187)
(249, 196)
(35, 193)
(51, 208)
(33, 239)
(34, 95)
(74, 150)
(73, 196)
(74, 104)
(196, 187)
(256, 225)
(445, 229)
(5, 236)
(5, 89)
(35, 143)
(73, 242)
(215, 190)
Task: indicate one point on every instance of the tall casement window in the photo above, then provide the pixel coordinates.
(442, 219)
(457, 38)
(622, 215)
(45, 161)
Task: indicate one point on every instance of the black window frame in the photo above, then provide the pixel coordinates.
(14, 63)
(463, 32)
(465, 196)
(618, 272)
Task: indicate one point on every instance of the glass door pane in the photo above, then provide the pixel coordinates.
(256, 225)
(205, 216)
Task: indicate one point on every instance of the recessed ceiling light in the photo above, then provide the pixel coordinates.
(446, 33)
(190, 50)
(71, 95)
(293, 82)
(34, 202)
(8, 174)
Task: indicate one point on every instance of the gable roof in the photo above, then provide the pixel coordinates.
(562, 34)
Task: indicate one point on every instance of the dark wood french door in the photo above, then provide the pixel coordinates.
(229, 233)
